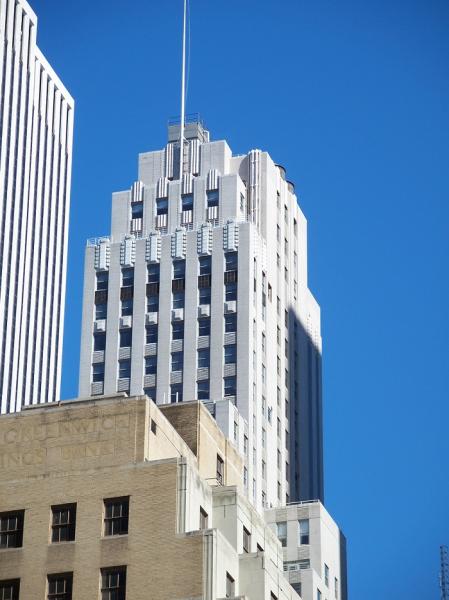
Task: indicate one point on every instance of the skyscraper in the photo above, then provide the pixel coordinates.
(200, 292)
(36, 125)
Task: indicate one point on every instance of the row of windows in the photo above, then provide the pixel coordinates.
(303, 532)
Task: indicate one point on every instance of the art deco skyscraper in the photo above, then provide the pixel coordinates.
(36, 125)
(201, 292)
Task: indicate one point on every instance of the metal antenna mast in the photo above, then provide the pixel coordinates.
(444, 573)
(183, 93)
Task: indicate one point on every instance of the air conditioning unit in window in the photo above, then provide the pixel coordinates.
(177, 314)
(126, 322)
(100, 326)
(230, 306)
(204, 310)
(151, 318)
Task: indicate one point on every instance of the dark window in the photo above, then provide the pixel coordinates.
(204, 281)
(220, 470)
(177, 359)
(11, 529)
(63, 523)
(151, 334)
(297, 587)
(137, 210)
(178, 299)
(176, 392)
(273, 596)
(231, 292)
(127, 307)
(203, 358)
(231, 260)
(203, 389)
(230, 277)
(150, 365)
(152, 304)
(60, 586)
(113, 583)
(9, 590)
(204, 295)
(179, 269)
(259, 548)
(102, 280)
(286, 318)
(230, 386)
(124, 369)
(205, 265)
(178, 330)
(282, 532)
(116, 515)
(127, 277)
(230, 354)
(246, 540)
(153, 273)
(203, 518)
(97, 372)
(230, 586)
(126, 336)
(127, 292)
(162, 206)
(212, 198)
(230, 322)
(101, 311)
(178, 285)
(304, 538)
(99, 342)
(204, 326)
(153, 426)
(187, 201)
(151, 393)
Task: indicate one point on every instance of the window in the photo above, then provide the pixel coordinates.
(176, 393)
(150, 365)
(113, 583)
(137, 210)
(116, 516)
(286, 274)
(97, 372)
(124, 369)
(279, 490)
(9, 590)
(279, 459)
(152, 304)
(278, 233)
(303, 532)
(282, 532)
(204, 518)
(264, 374)
(318, 594)
(151, 334)
(278, 427)
(187, 201)
(178, 330)
(151, 393)
(162, 206)
(278, 305)
(60, 586)
(203, 358)
(63, 523)
(273, 596)
(101, 311)
(11, 529)
(230, 386)
(295, 227)
(178, 299)
(336, 588)
(278, 261)
(205, 265)
(264, 437)
(127, 307)
(264, 344)
(177, 359)
(230, 323)
(204, 295)
(127, 277)
(204, 326)
(231, 261)
(179, 269)
(297, 587)
(245, 444)
(102, 280)
(246, 540)
(203, 389)
(153, 273)
(286, 318)
(212, 198)
(126, 336)
(245, 476)
(220, 470)
(230, 354)
(264, 470)
(326, 575)
(99, 342)
(230, 292)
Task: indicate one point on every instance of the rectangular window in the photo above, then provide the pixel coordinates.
(326, 575)
(97, 372)
(152, 304)
(318, 594)
(127, 277)
(63, 523)
(204, 327)
(187, 201)
(113, 583)
(176, 393)
(220, 470)
(101, 311)
(203, 358)
(230, 386)
(127, 307)
(204, 295)
(124, 369)
(153, 273)
(162, 206)
(11, 529)
(264, 344)
(99, 342)
(137, 210)
(60, 586)
(205, 265)
(179, 269)
(273, 596)
(212, 198)
(230, 354)
(231, 261)
(204, 518)
(151, 393)
(177, 360)
(278, 233)
(279, 459)
(282, 532)
(177, 330)
(230, 292)
(230, 322)
(264, 470)
(230, 586)
(9, 590)
(126, 336)
(150, 365)
(264, 438)
(286, 318)
(246, 540)
(178, 299)
(303, 532)
(102, 280)
(151, 334)
(336, 588)
(203, 389)
(116, 516)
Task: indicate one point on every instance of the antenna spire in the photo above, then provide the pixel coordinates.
(183, 93)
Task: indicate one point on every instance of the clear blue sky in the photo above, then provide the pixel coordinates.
(353, 98)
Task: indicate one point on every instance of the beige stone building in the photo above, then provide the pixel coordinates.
(114, 498)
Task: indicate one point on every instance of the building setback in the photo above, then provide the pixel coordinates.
(200, 292)
(36, 126)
